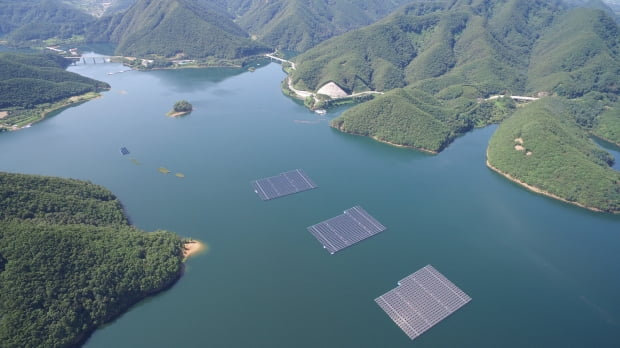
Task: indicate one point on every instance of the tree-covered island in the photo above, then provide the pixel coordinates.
(180, 108)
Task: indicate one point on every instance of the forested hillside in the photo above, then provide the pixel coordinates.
(539, 146)
(28, 80)
(25, 21)
(439, 62)
(31, 83)
(301, 24)
(461, 52)
(70, 262)
(176, 28)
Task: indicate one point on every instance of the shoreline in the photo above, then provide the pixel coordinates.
(68, 102)
(405, 146)
(543, 192)
(605, 139)
(178, 114)
(87, 334)
(421, 149)
(191, 248)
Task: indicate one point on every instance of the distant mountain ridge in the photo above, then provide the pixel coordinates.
(221, 29)
(301, 24)
(26, 20)
(169, 28)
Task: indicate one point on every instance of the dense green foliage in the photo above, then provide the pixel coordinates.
(28, 80)
(608, 124)
(70, 262)
(301, 24)
(58, 201)
(555, 156)
(434, 45)
(461, 52)
(34, 20)
(405, 117)
(578, 54)
(193, 28)
(414, 118)
(175, 28)
(33, 84)
(182, 106)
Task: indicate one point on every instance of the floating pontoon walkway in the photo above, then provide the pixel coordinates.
(284, 184)
(124, 151)
(422, 300)
(345, 230)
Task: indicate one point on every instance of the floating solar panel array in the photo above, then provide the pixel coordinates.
(353, 226)
(422, 300)
(124, 151)
(284, 184)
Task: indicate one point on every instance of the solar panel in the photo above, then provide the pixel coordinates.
(124, 151)
(422, 300)
(284, 184)
(344, 230)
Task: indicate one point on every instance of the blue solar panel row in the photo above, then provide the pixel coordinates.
(124, 151)
(344, 230)
(284, 184)
(422, 300)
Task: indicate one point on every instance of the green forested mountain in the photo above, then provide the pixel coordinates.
(301, 24)
(460, 51)
(28, 80)
(433, 45)
(176, 28)
(438, 62)
(33, 84)
(539, 146)
(70, 261)
(579, 53)
(24, 21)
(191, 28)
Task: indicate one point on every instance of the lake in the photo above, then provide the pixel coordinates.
(541, 273)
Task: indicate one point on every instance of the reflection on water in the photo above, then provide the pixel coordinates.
(611, 148)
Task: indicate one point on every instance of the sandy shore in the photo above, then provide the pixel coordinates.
(68, 102)
(405, 146)
(387, 142)
(192, 248)
(542, 192)
(177, 114)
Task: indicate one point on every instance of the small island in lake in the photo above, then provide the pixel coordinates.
(181, 108)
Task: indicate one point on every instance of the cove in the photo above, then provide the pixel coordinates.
(541, 273)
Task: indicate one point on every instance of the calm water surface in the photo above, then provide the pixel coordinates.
(541, 273)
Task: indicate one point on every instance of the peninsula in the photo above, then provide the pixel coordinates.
(45, 73)
(68, 247)
(541, 150)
